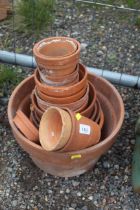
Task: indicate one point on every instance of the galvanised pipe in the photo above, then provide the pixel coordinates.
(114, 77)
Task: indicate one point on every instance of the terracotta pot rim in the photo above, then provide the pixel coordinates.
(49, 98)
(51, 40)
(96, 147)
(61, 58)
(93, 100)
(62, 88)
(84, 97)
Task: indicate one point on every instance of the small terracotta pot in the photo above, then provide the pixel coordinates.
(25, 126)
(61, 83)
(64, 100)
(92, 99)
(59, 70)
(85, 133)
(63, 91)
(55, 129)
(63, 65)
(77, 105)
(55, 47)
(57, 78)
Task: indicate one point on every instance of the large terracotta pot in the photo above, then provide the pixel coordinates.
(78, 162)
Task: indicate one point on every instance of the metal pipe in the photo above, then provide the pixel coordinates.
(109, 5)
(114, 77)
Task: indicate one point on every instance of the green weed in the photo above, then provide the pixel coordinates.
(138, 21)
(9, 76)
(34, 15)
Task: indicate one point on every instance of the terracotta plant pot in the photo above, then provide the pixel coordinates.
(63, 91)
(62, 59)
(25, 126)
(85, 133)
(78, 162)
(57, 47)
(57, 78)
(61, 83)
(55, 129)
(77, 105)
(91, 102)
(64, 100)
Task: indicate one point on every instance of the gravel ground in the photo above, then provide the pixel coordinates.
(110, 40)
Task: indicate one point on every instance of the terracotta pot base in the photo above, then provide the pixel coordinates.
(78, 162)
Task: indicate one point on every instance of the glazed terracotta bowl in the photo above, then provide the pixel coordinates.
(63, 91)
(69, 164)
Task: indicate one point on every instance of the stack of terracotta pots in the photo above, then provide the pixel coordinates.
(65, 110)
(62, 81)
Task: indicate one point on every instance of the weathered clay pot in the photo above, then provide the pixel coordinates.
(85, 133)
(91, 102)
(56, 78)
(25, 126)
(61, 83)
(63, 91)
(78, 162)
(55, 129)
(64, 100)
(75, 106)
(57, 47)
(61, 60)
